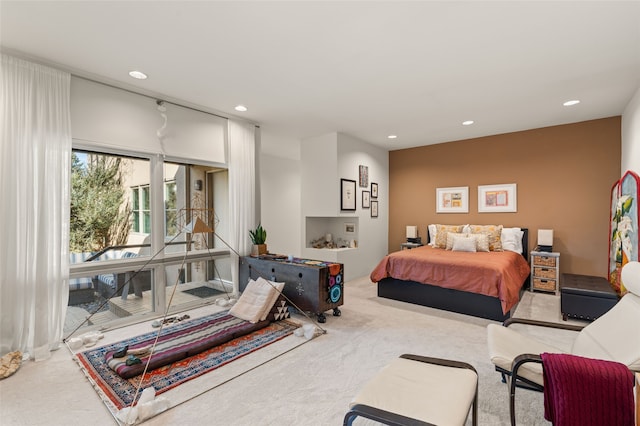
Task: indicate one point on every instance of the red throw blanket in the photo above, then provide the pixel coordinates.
(583, 391)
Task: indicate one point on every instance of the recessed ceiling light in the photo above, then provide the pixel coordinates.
(467, 123)
(392, 136)
(570, 103)
(138, 74)
(241, 108)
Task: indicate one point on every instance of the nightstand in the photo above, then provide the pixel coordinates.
(409, 246)
(545, 271)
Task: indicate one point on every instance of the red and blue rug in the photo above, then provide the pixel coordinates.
(120, 392)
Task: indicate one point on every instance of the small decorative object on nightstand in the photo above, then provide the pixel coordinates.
(545, 271)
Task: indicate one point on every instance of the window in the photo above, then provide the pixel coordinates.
(170, 209)
(103, 211)
(112, 213)
(141, 210)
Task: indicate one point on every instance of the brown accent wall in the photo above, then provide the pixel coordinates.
(564, 175)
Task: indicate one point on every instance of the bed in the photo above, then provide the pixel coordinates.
(483, 284)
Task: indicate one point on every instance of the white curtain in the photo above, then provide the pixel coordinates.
(35, 156)
(242, 190)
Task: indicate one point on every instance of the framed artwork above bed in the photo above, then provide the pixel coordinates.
(452, 200)
(497, 198)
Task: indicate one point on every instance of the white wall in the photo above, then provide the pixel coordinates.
(373, 232)
(286, 183)
(280, 203)
(631, 136)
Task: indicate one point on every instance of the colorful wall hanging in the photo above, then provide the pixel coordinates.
(623, 230)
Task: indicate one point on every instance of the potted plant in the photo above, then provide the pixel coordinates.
(258, 238)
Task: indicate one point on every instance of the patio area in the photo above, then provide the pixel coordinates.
(116, 308)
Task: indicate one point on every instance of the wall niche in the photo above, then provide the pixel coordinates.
(331, 233)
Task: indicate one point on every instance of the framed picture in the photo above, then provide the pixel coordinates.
(364, 176)
(374, 208)
(497, 198)
(348, 194)
(374, 190)
(350, 228)
(366, 200)
(452, 200)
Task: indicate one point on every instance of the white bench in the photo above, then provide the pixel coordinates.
(416, 390)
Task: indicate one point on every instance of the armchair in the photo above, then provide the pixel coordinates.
(612, 337)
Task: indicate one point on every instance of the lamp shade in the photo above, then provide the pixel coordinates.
(412, 232)
(545, 237)
(197, 226)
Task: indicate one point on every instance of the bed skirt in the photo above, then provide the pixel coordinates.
(462, 302)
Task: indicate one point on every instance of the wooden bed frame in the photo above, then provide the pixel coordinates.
(463, 302)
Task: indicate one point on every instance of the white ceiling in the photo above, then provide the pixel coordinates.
(368, 69)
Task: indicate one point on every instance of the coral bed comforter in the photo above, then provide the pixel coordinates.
(494, 274)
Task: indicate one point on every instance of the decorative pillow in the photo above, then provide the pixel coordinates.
(279, 311)
(275, 294)
(433, 230)
(482, 242)
(452, 237)
(464, 244)
(441, 235)
(254, 301)
(512, 239)
(494, 233)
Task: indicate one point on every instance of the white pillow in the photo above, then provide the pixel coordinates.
(464, 244)
(433, 230)
(254, 301)
(274, 296)
(512, 239)
(480, 240)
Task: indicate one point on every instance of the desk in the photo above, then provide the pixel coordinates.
(312, 285)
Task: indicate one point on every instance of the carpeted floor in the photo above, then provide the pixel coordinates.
(310, 385)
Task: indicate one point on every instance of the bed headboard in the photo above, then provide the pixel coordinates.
(525, 242)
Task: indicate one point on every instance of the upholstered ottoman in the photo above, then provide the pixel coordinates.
(416, 390)
(585, 297)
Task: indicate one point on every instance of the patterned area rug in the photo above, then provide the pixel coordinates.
(118, 393)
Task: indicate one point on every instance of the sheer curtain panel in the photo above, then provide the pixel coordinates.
(242, 190)
(35, 156)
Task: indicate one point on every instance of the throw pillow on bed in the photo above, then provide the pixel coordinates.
(461, 242)
(482, 242)
(494, 233)
(441, 234)
(512, 239)
(464, 244)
